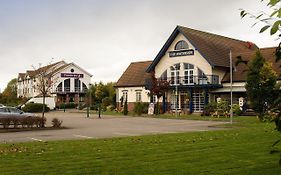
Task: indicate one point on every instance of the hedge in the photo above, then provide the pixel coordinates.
(24, 122)
(35, 107)
(68, 105)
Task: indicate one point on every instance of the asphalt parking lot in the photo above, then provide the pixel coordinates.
(80, 127)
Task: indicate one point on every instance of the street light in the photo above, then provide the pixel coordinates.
(177, 68)
(231, 100)
(78, 92)
(89, 101)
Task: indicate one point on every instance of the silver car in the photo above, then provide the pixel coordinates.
(13, 112)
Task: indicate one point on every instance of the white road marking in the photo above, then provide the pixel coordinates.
(87, 137)
(126, 134)
(35, 139)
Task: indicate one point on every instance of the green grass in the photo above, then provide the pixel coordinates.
(242, 150)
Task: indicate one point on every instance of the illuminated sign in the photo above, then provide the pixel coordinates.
(71, 75)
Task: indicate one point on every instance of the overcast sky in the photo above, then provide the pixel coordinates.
(104, 36)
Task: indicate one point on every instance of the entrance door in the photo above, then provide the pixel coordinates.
(198, 101)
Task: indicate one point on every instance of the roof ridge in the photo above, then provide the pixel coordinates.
(210, 33)
(141, 61)
(268, 48)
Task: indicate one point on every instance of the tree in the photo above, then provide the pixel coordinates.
(270, 21)
(260, 85)
(44, 83)
(9, 95)
(157, 87)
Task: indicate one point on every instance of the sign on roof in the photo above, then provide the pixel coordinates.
(178, 53)
(71, 75)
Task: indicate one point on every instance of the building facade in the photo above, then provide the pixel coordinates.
(70, 82)
(197, 66)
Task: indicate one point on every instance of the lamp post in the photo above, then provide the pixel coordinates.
(231, 100)
(89, 101)
(78, 92)
(177, 68)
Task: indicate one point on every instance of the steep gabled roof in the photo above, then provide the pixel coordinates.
(134, 75)
(240, 71)
(30, 73)
(21, 76)
(214, 48)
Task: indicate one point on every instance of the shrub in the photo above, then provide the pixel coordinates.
(35, 107)
(67, 105)
(106, 102)
(210, 108)
(110, 108)
(29, 122)
(236, 110)
(94, 107)
(15, 121)
(56, 123)
(6, 121)
(141, 108)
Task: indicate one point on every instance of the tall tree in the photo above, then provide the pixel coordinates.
(260, 85)
(157, 87)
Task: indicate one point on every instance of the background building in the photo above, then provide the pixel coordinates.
(70, 82)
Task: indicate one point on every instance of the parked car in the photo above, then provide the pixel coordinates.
(13, 112)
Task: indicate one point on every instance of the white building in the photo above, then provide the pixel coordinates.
(70, 82)
(197, 66)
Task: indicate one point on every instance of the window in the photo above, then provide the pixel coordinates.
(202, 78)
(125, 95)
(164, 75)
(188, 73)
(175, 74)
(181, 45)
(138, 96)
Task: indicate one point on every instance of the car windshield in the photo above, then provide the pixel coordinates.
(4, 110)
(15, 110)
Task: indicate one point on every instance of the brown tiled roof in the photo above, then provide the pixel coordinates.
(21, 75)
(134, 75)
(240, 72)
(215, 48)
(30, 73)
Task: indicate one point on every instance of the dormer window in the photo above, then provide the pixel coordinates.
(181, 45)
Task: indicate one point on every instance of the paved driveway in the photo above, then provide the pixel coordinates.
(81, 127)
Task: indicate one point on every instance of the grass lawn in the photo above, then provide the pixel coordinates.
(242, 150)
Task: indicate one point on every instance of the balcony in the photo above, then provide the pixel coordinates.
(61, 90)
(206, 80)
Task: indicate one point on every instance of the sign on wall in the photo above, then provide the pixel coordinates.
(71, 75)
(178, 53)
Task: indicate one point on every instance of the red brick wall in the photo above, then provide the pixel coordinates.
(130, 106)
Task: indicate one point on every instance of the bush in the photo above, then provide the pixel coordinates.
(35, 107)
(56, 123)
(236, 110)
(110, 108)
(210, 108)
(141, 108)
(29, 122)
(106, 102)
(68, 105)
(94, 107)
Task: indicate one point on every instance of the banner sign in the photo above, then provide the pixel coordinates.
(179, 53)
(71, 75)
